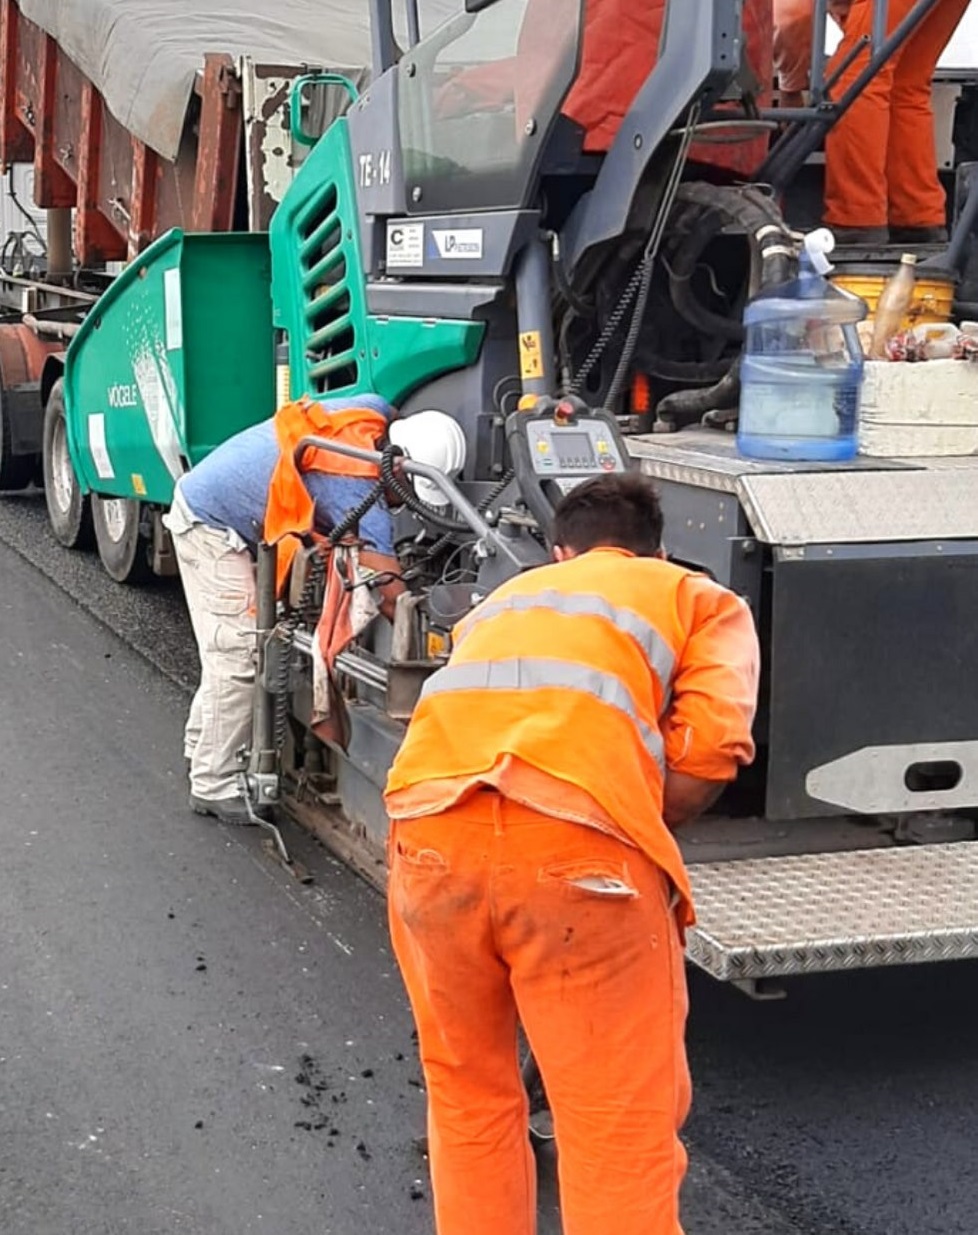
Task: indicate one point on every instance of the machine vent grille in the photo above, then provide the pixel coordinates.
(330, 327)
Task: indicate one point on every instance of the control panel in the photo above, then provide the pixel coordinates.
(579, 449)
(557, 445)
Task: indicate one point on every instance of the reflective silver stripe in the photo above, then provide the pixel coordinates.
(541, 673)
(584, 604)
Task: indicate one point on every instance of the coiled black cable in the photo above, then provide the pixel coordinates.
(388, 482)
(317, 573)
(404, 492)
(498, 488)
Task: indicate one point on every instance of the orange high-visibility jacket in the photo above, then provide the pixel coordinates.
(290, 510)
(600, 672)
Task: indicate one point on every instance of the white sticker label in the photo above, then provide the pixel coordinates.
(464, 245)
(96, 444)
(405, 245)
(173, 309)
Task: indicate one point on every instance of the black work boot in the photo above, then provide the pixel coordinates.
(862, 237)
(918, 235)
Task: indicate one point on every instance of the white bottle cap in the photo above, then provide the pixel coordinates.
(818, 245)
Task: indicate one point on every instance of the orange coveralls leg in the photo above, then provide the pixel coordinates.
(875, 156)
(917, 198)
(491, 923)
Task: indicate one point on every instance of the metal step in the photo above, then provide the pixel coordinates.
(774, 917)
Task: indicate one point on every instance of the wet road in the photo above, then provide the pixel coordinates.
(191, 1042)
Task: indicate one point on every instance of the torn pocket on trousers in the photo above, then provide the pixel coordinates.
(593, 878)
(420, 859)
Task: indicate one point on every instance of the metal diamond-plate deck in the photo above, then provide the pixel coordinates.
(855, 507)
(772, 917)
(862, 500)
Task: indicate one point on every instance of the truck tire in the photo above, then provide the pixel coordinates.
(69, 511)
(121, 546)
(16, 471)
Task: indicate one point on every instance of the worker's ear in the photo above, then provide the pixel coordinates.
(661, 554)
(563, 554)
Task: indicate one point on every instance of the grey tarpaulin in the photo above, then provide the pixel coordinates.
(143, 54)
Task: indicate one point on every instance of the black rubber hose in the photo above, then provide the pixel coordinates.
(699, 372)
(405, 492)
(708, 209)
(687, 404)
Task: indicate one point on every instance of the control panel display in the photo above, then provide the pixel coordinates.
(587, 447)
(573, 451)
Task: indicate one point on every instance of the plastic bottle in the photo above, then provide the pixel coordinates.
(894, 302)
(802, 368)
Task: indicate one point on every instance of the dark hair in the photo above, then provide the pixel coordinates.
(621, 509)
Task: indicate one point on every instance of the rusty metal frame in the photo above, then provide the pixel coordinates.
(218, 146)
(97, 239)
(123, 192)
(52, 186)
(16, 141)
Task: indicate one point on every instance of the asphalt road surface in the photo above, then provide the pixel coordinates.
(191, 1042)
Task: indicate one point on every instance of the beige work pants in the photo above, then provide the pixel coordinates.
(219, 583)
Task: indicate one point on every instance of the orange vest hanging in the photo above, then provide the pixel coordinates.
(290, 511)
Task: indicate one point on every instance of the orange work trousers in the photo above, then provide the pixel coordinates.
(880, 159)
(501, 915)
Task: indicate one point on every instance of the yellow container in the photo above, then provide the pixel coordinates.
(933, 297)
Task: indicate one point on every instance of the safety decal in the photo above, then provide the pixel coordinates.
(138, 484)
(531, 355)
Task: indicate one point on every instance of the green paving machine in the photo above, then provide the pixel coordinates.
(464, 238)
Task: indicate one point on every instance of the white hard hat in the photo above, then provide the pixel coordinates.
(434, 438)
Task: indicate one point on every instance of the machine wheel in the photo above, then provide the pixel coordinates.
(121, 546)
(69, 512)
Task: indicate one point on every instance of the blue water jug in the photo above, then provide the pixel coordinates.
(802, 368)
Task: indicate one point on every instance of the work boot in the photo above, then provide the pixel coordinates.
(861, 237)
(918, 235)
(227, 810)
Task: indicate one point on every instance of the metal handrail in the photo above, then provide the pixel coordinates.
(411, 467)
(808, 126)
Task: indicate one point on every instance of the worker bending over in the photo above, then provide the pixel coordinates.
(881, 181)
(588, 708)
(249, 489)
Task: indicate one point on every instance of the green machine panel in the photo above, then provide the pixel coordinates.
(336, 347)
(175, 357)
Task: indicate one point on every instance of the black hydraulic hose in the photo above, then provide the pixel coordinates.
(404, 491)
(497, 489)
(699, 372)
(641, 280)
(389, 482)
(289, 628)
(705, 211)
(687, 404)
